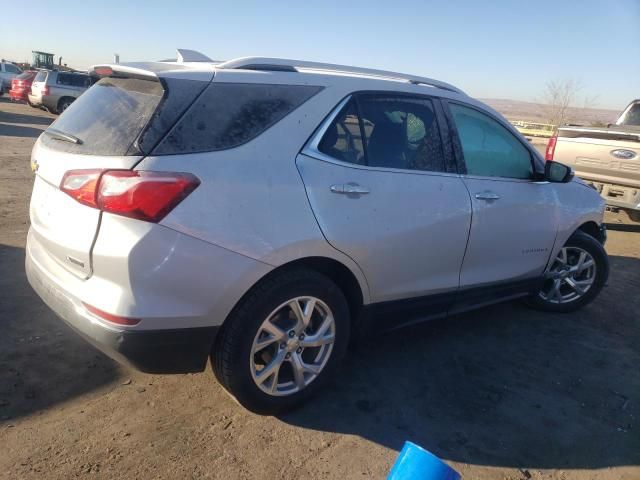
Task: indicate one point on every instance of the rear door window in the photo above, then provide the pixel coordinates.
(399, 132)
(11, 68)
(227, 115)
(343, 139)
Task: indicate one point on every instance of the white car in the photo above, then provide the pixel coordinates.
(260, 211)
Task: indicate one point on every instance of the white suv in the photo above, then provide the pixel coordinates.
(260, 211)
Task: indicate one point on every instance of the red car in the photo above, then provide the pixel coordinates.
(21, 86)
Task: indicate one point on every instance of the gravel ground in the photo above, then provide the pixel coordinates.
(504, 392)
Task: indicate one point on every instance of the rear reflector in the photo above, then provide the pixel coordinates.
(551, 148)
(111, 318)
(143, 195)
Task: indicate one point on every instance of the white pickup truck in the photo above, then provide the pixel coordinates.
(8, 71)
(608, 158)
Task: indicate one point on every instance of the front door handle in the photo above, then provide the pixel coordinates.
(349, 188)
(487, 196)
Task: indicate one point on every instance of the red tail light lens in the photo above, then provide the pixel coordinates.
(81, 185)
(551, 148)
(44, 90)
(110, 317)
(143, 195)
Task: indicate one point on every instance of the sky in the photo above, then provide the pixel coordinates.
(490, 49)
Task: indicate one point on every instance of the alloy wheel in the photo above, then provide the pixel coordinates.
(570, 277)
(292, 346)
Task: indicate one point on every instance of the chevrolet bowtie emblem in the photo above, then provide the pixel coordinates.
(34, 166)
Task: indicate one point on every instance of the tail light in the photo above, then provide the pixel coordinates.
(44, 90)
(551, 148)
(142, 195)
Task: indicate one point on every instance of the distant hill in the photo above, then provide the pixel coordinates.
(518, 110)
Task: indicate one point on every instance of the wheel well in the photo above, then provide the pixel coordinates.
(338, 273)
(64, 98)
(591, 228)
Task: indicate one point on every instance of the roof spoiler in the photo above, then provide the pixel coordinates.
(185, 55)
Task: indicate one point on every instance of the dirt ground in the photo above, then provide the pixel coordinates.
(504, 392)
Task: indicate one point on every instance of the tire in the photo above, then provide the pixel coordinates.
(238, 366)
(579, 242)
(63, 104)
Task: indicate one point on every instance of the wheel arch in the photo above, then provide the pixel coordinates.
(60, 100)
(335, 270)
(339, 273)
(592, 229)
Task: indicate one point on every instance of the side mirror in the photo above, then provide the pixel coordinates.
(557, 172)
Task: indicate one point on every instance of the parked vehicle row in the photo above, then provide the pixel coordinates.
(52, 90)
(261, 211)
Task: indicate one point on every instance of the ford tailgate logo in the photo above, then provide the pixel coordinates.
(623, 154)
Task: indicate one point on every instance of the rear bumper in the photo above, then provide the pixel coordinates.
(18, 95)
(153, 351)
(34, 100)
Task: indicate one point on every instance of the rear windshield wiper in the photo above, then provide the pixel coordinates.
(65, 137)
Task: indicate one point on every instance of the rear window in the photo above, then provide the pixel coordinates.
(123, 116)
(108, 117)
(229, 114)
(41, 76)
(24, 76)
(632, 117)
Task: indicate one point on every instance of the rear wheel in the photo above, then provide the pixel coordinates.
(63, 104)
(283, 341)
(576, 276)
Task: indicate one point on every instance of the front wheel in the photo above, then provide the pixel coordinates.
(283, 341)
(576, 276)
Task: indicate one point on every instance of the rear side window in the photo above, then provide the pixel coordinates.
(11, 68)
(229, 114)
(72, 80)
(41, 76)
(399, 132)
(489, 149)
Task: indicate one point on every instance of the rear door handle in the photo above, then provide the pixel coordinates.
(349, 188)
(487, 196)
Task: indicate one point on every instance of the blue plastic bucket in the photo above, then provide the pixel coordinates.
(415, 463)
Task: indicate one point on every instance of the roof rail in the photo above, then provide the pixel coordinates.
(283, 64)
